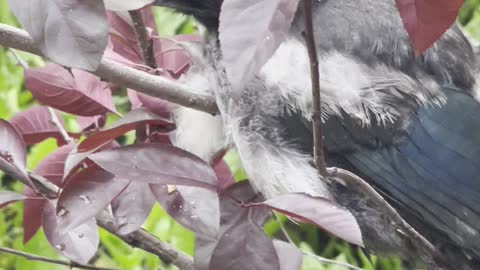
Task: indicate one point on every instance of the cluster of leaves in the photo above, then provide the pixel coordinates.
(94, 172)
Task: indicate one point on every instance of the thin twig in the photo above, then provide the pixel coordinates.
(120, 74)
(146, 241)
(360, 186)
(309, 36)
(56, 122)
(19, 59)
(143, 37)
(32, 257)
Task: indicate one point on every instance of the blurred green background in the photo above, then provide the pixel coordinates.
(112, 251)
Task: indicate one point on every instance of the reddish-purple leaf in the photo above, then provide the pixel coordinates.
(290, 256)
(72, 33)
(157, 164)
(242, 244)
(195, 208)
(319, 211)
(171, 56)
(130, 121)
(53, 166)
(132, 207)
(427, 20)
(8, 197)
(35, 125)
(122, 5)
(224, 175)
(76, 159)
(78, 244)
(85, 195)
(82, 94)
(157, 106)
(32, 213)
(12, 152)
(91, 122)
(250, 32)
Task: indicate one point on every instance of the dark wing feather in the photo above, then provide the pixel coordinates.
(434, 170)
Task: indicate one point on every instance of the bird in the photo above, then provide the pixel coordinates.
(407, 124)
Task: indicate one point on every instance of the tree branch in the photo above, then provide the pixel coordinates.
(117, 73)
(309, 36)
(32, 257)
(143, 37)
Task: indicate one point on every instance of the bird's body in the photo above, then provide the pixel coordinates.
(408, 125)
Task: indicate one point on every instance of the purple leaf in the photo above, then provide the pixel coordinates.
(78, 244)
(72, 33)
(319, 211)
(171, 56)
(122, 5)
(155, 105)
(157, 164)
(195, 208)
(75, 159)
(8, 197)
(12, 152)
(32, 214)
(53, 166)
(224, 175)
(250, 32)
(241, 243)
(35, 125)
(132, 207)
(85, 195)
(82, 94)
(91, 122)
(290, 256)
(130, 121)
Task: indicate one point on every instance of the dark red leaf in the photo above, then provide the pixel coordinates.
(241, 243)
(195, 208)
(85, 195)
(130, 121)
(84, 94)
(290, 256)
(72, 33)
(91, 122)
(132, 207)
(427, 20)
(12, 152)
(76, 159)
(32, 213)
(78, 244)
(157, 106)
(319, 211)
(53, 166)
(8, 197)
(157, 164)
(35, 125)
(224, 175)
(171, 56)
